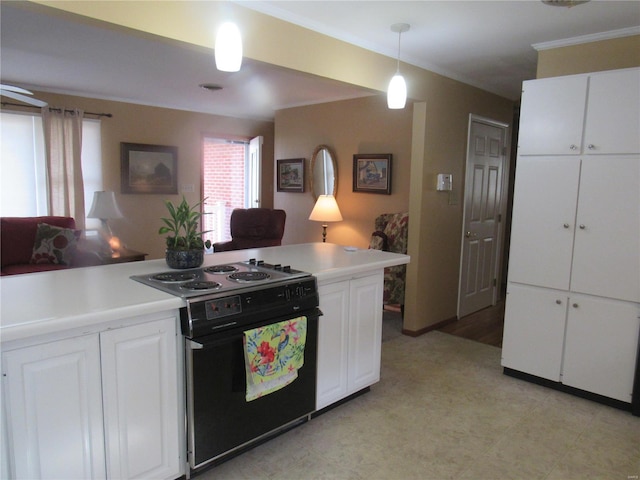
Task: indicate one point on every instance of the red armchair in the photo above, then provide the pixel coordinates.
(254, 228)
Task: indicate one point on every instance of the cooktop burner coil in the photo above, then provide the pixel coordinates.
(217, 269)
(174, 277)
(248, 277)
(201, 285)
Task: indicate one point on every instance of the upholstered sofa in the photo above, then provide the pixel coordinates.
(254, 228)
(391, 231)
(57, 246)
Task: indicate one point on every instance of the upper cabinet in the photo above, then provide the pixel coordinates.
(613, 120)
(591, 114)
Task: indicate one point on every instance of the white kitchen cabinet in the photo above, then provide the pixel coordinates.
(349, 337)
(544, 212)
(534, 332)
(576, 235)
(601, 345)
(552, 115)
(555, 110)
(613, 119)
(575, 225)
(139, 376)
(54, 418)
(606, 253)
(102, 405)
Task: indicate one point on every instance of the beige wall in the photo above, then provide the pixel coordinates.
(161, 126)
(349, 127)
(590, 57)
(435, 225)
(426, 138)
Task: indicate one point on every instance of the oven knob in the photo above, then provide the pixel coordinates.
(286, 268)
(260, 262)
(277, 266)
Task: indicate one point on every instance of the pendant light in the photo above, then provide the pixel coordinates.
(228, 49)
(397, 91)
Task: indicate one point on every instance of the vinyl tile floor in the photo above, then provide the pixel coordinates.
(443, 409)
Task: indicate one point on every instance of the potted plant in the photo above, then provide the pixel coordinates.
(185, 247)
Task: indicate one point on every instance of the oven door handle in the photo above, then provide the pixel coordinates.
(195, 345)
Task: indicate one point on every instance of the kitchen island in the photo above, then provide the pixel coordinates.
(92, 362)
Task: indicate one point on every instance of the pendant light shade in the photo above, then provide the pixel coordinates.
(397, 91)
(228, 49)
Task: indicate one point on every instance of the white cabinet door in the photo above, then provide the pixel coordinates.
(534, 323)
(365, 331)
(606, 258)
(613, 116)
(552, 117)
(544, 209)
(333, 337)
(141, 400)
(54, 410)
(601, 346)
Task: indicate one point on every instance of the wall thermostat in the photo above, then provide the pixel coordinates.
(445, 181)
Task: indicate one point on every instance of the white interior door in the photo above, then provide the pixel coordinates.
(486, 157)
(254, 173)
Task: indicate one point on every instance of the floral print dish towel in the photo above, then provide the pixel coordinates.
(273, 355)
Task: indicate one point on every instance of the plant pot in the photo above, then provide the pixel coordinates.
(184, 258)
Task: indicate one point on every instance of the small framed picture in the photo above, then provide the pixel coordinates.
(291, 175)
(148, 168)
(372, 173)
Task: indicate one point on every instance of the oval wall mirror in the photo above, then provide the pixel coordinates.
(324, 172)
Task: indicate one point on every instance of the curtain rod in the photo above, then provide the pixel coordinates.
(56, 109)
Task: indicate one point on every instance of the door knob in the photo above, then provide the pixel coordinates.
(469, 235)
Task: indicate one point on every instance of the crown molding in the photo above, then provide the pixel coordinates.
(596, 37)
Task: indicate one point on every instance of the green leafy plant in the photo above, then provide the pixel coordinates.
(182, 227)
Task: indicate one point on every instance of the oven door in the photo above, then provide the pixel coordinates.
(219, 418)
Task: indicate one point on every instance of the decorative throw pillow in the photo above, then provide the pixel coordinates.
(54, 245)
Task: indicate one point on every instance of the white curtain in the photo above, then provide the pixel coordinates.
(63, 151)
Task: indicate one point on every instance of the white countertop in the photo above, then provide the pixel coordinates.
(43, 303)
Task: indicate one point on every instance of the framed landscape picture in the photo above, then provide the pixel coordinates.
(372, 173)
(148, 168)
(291, 175)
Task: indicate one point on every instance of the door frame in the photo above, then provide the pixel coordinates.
(500, 235)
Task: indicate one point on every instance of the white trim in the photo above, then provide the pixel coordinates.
(595, 37)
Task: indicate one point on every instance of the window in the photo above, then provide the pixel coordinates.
(23, 182)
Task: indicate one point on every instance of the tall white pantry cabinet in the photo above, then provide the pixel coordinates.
(573, 296)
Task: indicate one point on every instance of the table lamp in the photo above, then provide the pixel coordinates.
(105, 208)
(325, 210)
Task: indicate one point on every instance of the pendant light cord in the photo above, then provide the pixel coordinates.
(398, 65)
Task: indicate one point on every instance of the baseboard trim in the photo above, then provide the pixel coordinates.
(611, 402)
(429, 328)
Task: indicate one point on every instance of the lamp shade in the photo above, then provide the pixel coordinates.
(397, 92)
(104, 206)
(228, 49)
(326, 210)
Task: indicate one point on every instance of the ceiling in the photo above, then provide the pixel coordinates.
(483, 43)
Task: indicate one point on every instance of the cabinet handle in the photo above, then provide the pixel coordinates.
(566, 225)
(573, 147)
(582, 226)
(575, 305)
(559, 302)
(591, 146)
